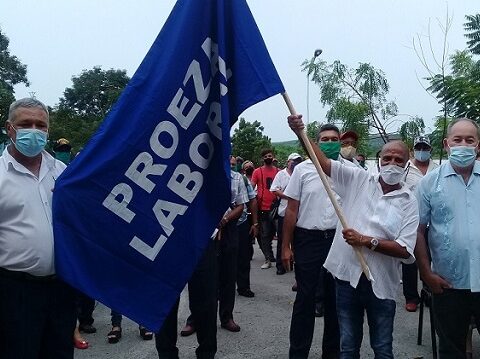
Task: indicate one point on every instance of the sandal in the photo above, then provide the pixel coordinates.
(145, 333)
(114, 335)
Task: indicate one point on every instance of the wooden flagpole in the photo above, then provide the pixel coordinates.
(308, 146)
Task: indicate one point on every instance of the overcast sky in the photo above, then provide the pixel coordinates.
(57, 39)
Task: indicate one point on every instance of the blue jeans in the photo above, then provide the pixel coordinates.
(351, 305)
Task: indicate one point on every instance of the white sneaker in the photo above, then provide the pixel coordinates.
(266, 265)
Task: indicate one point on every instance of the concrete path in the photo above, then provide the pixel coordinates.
(264, 321)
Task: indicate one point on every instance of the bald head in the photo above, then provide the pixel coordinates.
(394, 153)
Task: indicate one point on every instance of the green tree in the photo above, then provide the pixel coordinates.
(460, 90)
(85, 104)
(354, 117)
(12, 72)
(248, 140)
(94, 92)
(411, 129)
(312, 129)
(472, 28)
(437, 136)
(364, 86)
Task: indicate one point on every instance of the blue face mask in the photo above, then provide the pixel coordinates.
(422, 156)
(29, 141)
(462, 156)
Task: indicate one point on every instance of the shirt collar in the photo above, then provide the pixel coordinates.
(449, 171)
(11, 163)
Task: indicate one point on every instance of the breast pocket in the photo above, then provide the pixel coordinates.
(392, 217)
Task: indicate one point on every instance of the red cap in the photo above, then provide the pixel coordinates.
(347, 134)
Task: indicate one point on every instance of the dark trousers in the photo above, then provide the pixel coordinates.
(37, 318)
(267, 231)
(310, 248)
(244, 256)
(227, 271)
(202, 295)
(85, 307)
(116, 318)
(279, 242)
(410, 281)
(453, 311)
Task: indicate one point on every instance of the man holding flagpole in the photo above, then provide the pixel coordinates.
(383, 217)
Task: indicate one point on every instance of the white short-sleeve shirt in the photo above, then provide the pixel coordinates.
(26, 232)
(392, 216)
(315, 209)
(279, 183)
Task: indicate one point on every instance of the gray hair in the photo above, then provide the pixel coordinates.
(457, 120)
(27, 102)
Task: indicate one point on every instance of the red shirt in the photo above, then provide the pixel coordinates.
(263, 178)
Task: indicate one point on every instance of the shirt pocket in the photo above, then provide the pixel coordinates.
(392, 219)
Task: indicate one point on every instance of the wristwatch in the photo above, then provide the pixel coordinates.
(373, 243)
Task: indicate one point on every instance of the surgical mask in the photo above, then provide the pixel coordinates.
(63, 156)
(331, 149)
(348, 152)
(30, 141)
(462, 156)
(268, 161)
(422, 156)
(249, 171)
(392, 174)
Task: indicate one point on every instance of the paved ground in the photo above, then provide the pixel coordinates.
(265, 322)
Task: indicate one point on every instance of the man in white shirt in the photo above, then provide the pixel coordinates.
(37, 311)
(279, 184)
(417, 167)
(383, 218)
(308, 231)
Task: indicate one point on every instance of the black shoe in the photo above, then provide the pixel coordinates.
(246, 293)
(231, 326)
(281, 271)
(319, 310)
(87, 328)
(187, 330)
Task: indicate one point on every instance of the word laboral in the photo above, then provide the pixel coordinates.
(184, 182)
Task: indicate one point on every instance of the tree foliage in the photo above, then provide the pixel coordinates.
(411, 129)
(472, 28)
(12, 72)
(358, 93)
(85, 104)
(248, 140)
(437, 136)
(459, 91)
(94, 92)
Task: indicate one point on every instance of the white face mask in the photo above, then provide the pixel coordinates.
(392, 174)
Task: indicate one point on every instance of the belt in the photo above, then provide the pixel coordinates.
(315, 231)
(25, 276)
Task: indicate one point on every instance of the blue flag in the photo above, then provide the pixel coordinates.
(135, 210)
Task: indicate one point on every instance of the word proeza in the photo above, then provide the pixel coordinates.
(184, 182)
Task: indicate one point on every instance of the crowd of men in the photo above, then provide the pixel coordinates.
(410, 216)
